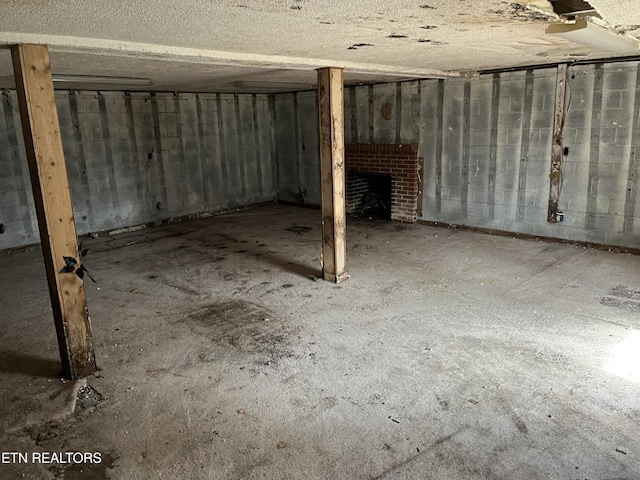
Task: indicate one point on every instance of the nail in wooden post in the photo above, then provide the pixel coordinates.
(332, 174)
(48, 172)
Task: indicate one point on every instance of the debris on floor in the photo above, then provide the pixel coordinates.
(88, 397)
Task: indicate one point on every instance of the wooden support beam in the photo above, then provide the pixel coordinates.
(332, 174)
(50, 184)
(559, 118)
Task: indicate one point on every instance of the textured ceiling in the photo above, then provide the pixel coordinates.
(270, 45)
(624, 15)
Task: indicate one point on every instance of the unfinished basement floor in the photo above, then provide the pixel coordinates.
(446, 355)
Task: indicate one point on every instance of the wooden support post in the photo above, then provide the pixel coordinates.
(556, 146)
(332, 174)
(50, 184)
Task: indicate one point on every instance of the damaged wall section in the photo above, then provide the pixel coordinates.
(134, 158)
(486, 145)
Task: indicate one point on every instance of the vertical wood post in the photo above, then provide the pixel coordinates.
(50, 184)
(332, 173)
(555, 176)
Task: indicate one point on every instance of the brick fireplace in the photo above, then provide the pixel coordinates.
(400, 162)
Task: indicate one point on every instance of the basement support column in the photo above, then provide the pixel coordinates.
(332, 174)
(48, 172)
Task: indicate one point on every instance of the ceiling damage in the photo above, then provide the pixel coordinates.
(276, 45)
(580, 23)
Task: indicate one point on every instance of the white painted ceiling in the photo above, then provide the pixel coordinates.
(275, 45)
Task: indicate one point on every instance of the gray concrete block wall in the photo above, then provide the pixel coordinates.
(430, 142)
(287, 138)
(310, 166)
(134, 158)
(486, 145)
(16, 199)
(296, 145)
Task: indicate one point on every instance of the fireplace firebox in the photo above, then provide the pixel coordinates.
(368, 195)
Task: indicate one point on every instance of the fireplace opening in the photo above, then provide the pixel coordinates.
(368, 195)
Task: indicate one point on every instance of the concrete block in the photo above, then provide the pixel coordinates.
(188, 117)
(95, 152)
(98, 186)
(452, 218)
(606, 187)
(514, 136)
(15, 213)
(91, 128)
(531, 166)
(450, 206)
(454, 104)
(623, 239)
(119, 148)
(636, 223)
(507, 175)
(512, 167)
(519, 227)
(608, 223)
(164, 97)
(480, 138)
(477, 209)
(572, 219)
(512, 84)
(546, 136)
(507, 153)
(596, 236)
(451, 191)
(117, 119)
(190, 130)
(123, 132)
(89, 103)
(8, 183)
(171, 132)
(516, 103)
(172, 143)
(578, 118)
(110, 102)
(531, 199)
(575, 202)
(617, 204)
(535, 214)
(429, 206)
(169, 118)
(581, 136)
(618, 79)
(575, 176)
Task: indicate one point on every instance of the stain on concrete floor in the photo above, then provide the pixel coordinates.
(245, 327)
(623, 297)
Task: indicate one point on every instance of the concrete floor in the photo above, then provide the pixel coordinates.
(446, 355)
